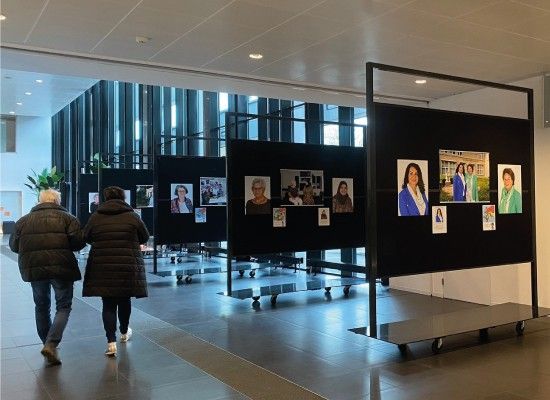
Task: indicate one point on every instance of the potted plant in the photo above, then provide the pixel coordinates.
(47, 179)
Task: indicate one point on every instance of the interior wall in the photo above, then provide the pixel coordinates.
(33, 142)
(504, 283)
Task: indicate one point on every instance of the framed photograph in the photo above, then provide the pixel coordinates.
(302, 187)
(128, 197)
(463, 176)
(144, 196)
(509, 189)
(342, 195)
(257, 195)
(93, 202)
(412, 188)
(488, 217)
(200, 215)
(279, 217)
(439, 219)
(323, 214)
(213, 191)
(181, 198)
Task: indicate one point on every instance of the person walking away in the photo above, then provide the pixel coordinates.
(45, 240)
(115, 270)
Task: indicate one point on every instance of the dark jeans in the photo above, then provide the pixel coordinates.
(109, 314)
(41, 290)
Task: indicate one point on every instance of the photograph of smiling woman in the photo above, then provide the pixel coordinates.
(412, 199)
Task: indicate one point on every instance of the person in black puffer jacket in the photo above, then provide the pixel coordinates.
(45, 240)
(115, 270)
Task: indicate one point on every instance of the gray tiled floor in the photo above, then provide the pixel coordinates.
(304, 339)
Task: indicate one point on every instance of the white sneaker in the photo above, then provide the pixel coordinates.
(111, 349)
(126, 336)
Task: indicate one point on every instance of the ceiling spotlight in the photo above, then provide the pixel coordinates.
(19, 103)
(142, 39)
(420, 81)
(2, 17)
(256, 56)
(12, 112)
(28, 93)
(39, 81)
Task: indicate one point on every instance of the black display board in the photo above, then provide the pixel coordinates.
(406, 245)
(87, 183)
(255, 234)
(128, 179)
(182, 228)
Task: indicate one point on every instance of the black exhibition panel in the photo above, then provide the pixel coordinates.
(182, 228)
(128, 179)
(87, 183)
(406, 245)
(255, 234)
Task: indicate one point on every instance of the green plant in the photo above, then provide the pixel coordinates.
(97, 163)
(47, 179)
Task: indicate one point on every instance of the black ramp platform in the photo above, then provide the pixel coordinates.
(442, 325)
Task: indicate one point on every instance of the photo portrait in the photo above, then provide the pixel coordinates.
(200, 215)
(257, 195)
(279, 217)
(93, 202)
(342, 195)
(181, 198)
(412, 188)
(463, 176)
(301, 187)
(509, 189)
(439, 219)
(144, 196)
(323, 216)
(213, 191)
(488, 217)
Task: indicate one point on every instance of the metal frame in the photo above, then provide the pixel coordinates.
(371, 224)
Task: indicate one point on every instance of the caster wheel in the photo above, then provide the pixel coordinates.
(437, 345)
(252, 273)
(173, 260)
(520, 327)
(256, 298)
(402, 348)
(179, 277)
(179, 260)
(327, 289)
(273, 299)
(255, 304)
(484, 334)
(346, 290)
(241, 272)
(188, 279)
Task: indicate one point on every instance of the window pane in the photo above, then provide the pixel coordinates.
(7, 135)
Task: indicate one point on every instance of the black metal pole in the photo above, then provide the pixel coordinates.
(369, 143)
(155, 209)
(229, 211)
(534, 284)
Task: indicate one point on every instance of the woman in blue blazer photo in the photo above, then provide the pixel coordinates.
(412, 197)
(459, 184)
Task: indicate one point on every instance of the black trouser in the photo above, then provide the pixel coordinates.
(109, 314)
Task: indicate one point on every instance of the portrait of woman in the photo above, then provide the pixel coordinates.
(472, 190)
(412, 199)
(510, 194)
(459, 183)
(308, 200)
(259, 203)
(94, 204)
(439, 216)
(341, 201)
(181, 202)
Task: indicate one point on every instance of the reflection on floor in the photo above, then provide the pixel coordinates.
(192, 343)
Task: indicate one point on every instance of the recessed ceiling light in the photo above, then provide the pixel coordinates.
(2, 17)
(256, 56)
(19, 103)
(12, 112)
(420, 81)
(28, 93)
(39, 81)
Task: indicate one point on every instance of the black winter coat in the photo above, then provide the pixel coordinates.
(45, 239)
(115, 265)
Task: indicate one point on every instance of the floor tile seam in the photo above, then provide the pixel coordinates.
(233, 355)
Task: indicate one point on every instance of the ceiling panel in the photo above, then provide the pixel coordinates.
(350, 11)
(502, 14)
(20, 17)
(537, 28)
(450, 8)
(243, 13)
(199, 8)
(295, 6)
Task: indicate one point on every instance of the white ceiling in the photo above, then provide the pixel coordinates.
(46, 98)
(312, 42)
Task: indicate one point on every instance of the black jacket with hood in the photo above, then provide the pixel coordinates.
(115, 265)
(45, 240)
